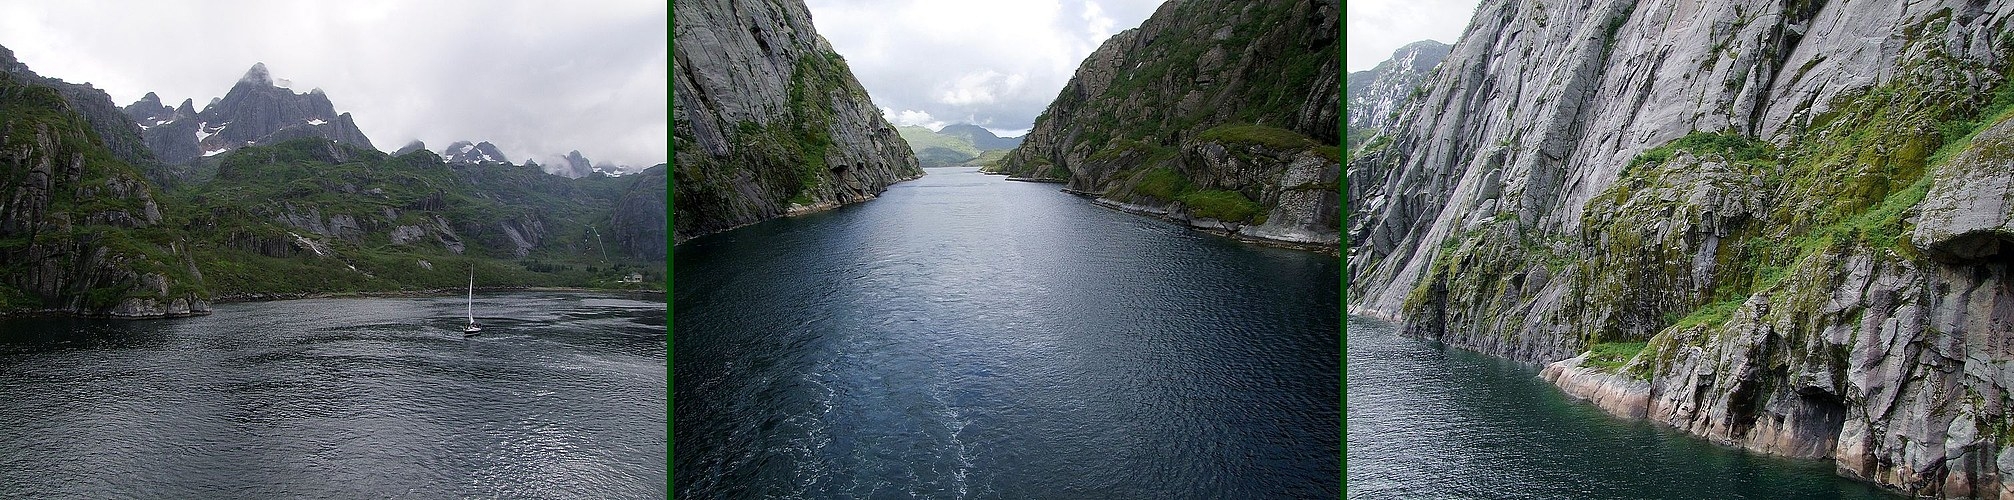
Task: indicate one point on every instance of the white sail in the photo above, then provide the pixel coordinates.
(472, 328)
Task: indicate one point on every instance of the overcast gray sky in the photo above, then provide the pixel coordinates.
(992, 64)
(537, 78)
(1375, 28)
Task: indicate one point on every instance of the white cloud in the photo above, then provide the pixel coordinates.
(912, 118)
(1375, 28)
(1099, 25)
(991, 64)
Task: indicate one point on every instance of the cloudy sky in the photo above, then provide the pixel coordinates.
(993, 64)
(537, 78)
(1375, 28)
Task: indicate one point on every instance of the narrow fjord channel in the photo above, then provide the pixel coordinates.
(1430, 421)
(965, 337)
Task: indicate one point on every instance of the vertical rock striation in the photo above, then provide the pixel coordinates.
(768, 120)
(1791, 217)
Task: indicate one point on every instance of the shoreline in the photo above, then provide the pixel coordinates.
(1229, 230)
(791, 211)
(435, 292)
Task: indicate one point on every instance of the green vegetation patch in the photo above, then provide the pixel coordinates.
(1611, 356)
(1220, 204)
(1274, 137)
(1730, 146)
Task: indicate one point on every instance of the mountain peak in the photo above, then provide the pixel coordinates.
(416, 145)
(257, 75)
(473, 152)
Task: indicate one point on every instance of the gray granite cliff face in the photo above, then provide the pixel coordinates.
(768, 120)
(1791, 219)
(1223, 115)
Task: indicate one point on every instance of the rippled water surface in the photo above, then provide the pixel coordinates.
(965, 337)
(562, 396)
(1426, 421)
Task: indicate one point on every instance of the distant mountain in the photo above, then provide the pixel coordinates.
(474, 153)
(83, 231)
(255, 111)
(937, 150)
(979, 137)
(1374, 96)
(954, 144)
(576, 166)
(416, 145)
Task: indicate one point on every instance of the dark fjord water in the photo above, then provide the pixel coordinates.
(1426, 421)
(562, 396)
(965, 337)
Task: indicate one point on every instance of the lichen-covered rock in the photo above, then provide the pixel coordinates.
(767, 119)
(1968, 215)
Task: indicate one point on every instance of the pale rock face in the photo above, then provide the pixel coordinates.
(1892, 355)
(733, 69)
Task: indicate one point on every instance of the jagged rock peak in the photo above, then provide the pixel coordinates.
(257, 75)
(473, 152)
(416, 145)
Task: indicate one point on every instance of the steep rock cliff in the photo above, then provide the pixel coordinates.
(80, 231)
(768, 120)
(1220, 114)
(1788, 219)
(638, 220)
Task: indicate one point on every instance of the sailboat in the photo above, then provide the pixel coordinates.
(471, 330)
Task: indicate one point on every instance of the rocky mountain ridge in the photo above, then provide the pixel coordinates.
(954, 145)
(1776, 226)
(768, 120)
(81, 231)
(979, 137)
(468, 152)
(1223, 115)
(256, 110)
(84, 232)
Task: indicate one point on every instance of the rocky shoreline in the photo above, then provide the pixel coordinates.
(1046, 180)
(1258, 235)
